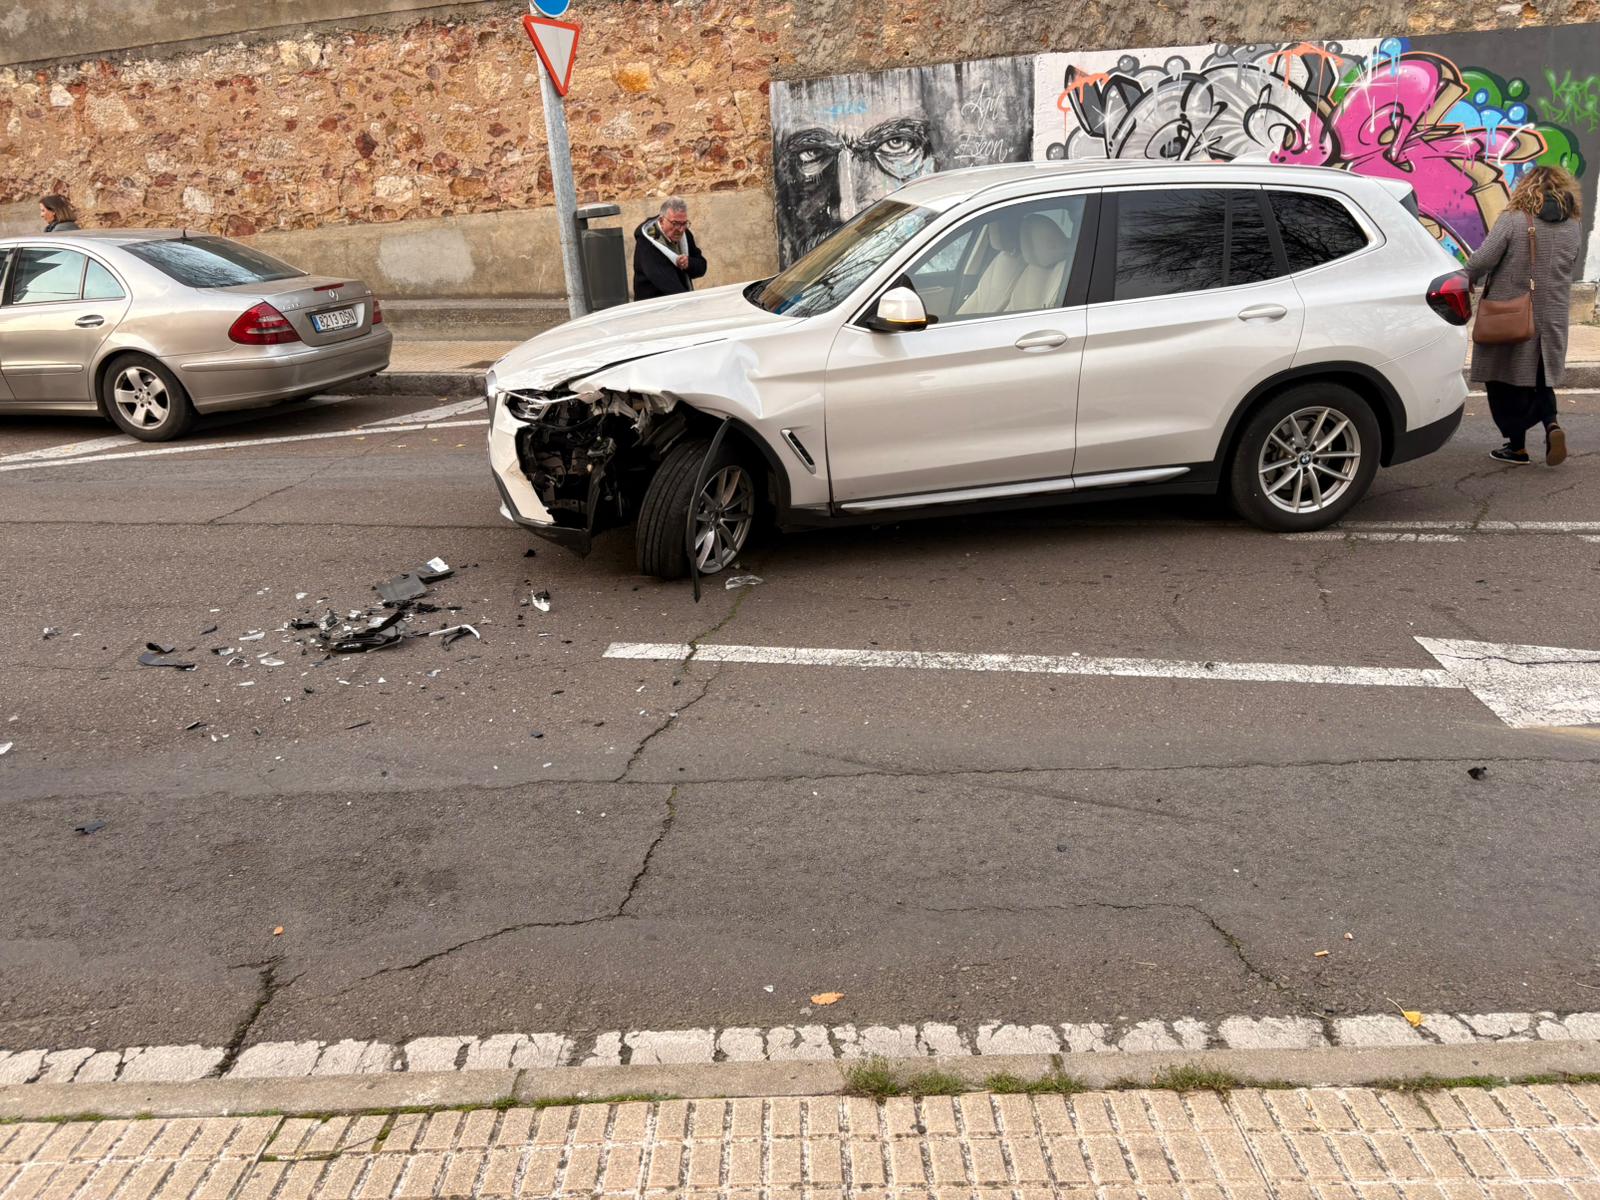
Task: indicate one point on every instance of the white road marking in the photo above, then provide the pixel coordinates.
(1525, 686)
(196, 448)
(68, 449)
(442, 413)
(784, 1043)
(1342, 535)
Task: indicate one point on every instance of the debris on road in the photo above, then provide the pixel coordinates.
(193, 725)
(89, 827)
(277, 931)
(1478, 772)
(382, 638)
(1320, 954)
(50, 631)
(157, 657)
(541, 601)
(400, 589)
(822, 999)
(5, 747)
(208, 629)
(530, 552)
(358, 724)
(739, 581)
(434, 570)
(455, 633)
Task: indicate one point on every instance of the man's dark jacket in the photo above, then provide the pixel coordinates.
(654, 274)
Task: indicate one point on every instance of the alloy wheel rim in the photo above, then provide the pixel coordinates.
(141, 397)
(724, 512)
(1309, 460)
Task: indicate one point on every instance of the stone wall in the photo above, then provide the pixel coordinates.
(375, 118)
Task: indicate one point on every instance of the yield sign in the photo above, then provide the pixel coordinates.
(557, 44)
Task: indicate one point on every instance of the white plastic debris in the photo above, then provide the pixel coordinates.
(541, 601)
(255, 635)
(739, 581)
(437, 564)
(5, 746)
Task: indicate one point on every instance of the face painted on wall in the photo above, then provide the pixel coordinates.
(841, 144)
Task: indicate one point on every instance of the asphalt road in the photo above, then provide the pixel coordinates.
(516, 833)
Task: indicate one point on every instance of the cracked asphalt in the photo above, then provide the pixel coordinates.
(516, 833)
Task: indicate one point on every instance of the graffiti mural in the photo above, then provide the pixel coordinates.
(843, 142)
(1423, 110)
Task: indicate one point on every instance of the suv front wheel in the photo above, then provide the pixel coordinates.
(1305, 458)
(725, 511)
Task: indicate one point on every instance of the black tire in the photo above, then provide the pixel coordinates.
(661, 543)
(145, 379)
(1250, 491)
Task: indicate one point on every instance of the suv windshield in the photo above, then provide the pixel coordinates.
(208, 262)
(836, 267)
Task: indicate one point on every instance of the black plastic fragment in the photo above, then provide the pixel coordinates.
(89, 827)
(193, 725)
(358, 724)
(361, 643)
(158, 648)
(208, 629)
(434, 570)
(152, 659)
(1478, 772)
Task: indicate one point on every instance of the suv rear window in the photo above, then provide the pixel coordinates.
(1171, 241)
(209, 262)
(1315, 229)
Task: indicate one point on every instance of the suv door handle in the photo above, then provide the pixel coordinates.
(1264, 312)
(89, 322)
(1043, 339)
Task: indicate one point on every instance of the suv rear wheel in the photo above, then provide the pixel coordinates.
(1305, 458)
(725, 512)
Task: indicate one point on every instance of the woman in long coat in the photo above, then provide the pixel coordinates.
(1521, 377)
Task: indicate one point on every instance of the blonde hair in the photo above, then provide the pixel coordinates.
(1540, 184)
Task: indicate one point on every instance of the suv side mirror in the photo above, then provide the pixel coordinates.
(899, 310)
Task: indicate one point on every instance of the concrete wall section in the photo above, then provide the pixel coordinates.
(516, 254)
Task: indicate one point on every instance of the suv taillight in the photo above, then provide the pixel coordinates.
(377, 311)
(262, 325)
(1451, 297)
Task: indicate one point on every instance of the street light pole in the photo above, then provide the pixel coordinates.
(555, 128)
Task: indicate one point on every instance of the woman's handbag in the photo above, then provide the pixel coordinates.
(1507, 322)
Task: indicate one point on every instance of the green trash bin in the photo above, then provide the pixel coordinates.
(605, 264)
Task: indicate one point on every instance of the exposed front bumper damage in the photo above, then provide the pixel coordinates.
(569, 466)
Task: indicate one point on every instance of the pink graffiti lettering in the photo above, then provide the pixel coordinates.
(1389, 123)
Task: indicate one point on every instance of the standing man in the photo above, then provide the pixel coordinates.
(666, 260)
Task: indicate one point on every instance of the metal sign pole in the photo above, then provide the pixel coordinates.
(555, 128)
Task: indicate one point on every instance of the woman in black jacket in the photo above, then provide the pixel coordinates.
(1536, 239)
(57, 215)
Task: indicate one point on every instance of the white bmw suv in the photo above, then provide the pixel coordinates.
(1005, 336)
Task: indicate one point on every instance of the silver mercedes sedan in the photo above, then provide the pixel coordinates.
(151, 327)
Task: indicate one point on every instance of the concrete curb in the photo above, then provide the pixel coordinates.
(449, 384)
(1339, 1066)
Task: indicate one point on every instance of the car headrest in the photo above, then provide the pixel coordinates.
(1004, 235)
(1043, 243)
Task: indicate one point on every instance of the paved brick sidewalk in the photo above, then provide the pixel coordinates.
(1317, 1144)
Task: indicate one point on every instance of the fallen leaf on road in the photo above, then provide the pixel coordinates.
(1412, 1016)
(822, 998)
(278, 932)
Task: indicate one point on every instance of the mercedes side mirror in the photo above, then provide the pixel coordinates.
(899, 311)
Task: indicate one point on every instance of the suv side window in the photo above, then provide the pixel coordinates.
(42, 276)
(1171, 241)
(1315, 229)
(1015, 259)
